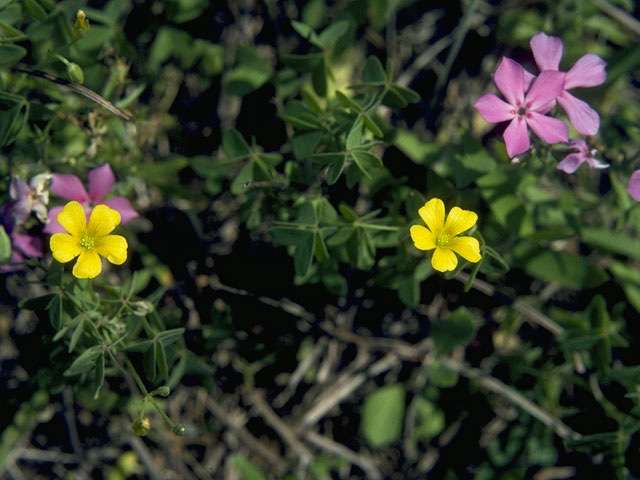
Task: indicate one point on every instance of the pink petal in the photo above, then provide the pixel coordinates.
(545, 88)
(494, 110)
(571, 162)
(101, 180)
(547, 51)
(583, 118)
(588, 71)
(579, 144)
(69, 187)
(28, 244)
(509, 79)
(550, 130)
(516, 137)
(123, 207)
(633, 188)
(15, 266)
(54, 226)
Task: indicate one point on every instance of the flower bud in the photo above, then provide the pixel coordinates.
(179, 430)
(141, 426)
(81, 27)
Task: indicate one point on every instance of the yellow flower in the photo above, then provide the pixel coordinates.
(443, 235)
(88, 242)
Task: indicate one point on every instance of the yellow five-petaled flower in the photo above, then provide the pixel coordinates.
(88, 241)
(443, 235)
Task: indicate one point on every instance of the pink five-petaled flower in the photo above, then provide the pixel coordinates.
(633, 188)
(101, 180)
(524, 108)
(588, 71)
(582, 154)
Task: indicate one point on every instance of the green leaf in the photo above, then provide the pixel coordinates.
(430, 420)
(161, 359)
(142, 346)
(288, 235)
(303, 255)
(149, 362)
(320, 249)
(305, 144)
(371, 126)
(629, 277)
(383, 415)
(245, 176)
(10, 108)
(330, 35)
(37, 303)
(170, 336)
(611, 241)
(77, 334)
(54, 274)
(366, 160)
(248, 470)
(373, 72)
(55, 311)
(98, 378)
(600, 322)
(10, 53)
(5, 246)
(347, 102)
(456, 330)
(234, 145)
(251, 73)
(306, 32)
(335, 170)
(319, 79)
(561, 268)
(85, 362)
(307, 214)
(303, 63)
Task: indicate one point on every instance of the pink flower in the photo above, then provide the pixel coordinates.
(571, 162)
(101, 180)
(588, 71)
(526, 106)
(633, 188)
(22, 246)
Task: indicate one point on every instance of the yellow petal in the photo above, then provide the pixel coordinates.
(459, 220)
(64, 247)
(73, 219)
(88, 265)
(433, 215)
(112, 247)
(444, 260)
(422, 238)
(466, 247)
(102, 221)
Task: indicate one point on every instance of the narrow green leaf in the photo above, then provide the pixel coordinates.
(161, 359)
(335, 170)
(371, 126)
(85, 362)
(5, 246)
(319, 79)
(303, 255)
(55, 311)
(10, 53)
(347, 102)
(98, 379)
(306, 214)
(77, 334)
(234, 145)
(288, 235)
(54, 274)
(320, 249)
(171, 336)
(383, 415)
(330, 35)
(302, 63)
(149, 362)
(366, 160)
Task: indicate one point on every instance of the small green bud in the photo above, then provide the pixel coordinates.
(163, 391)
(75, 72)
(179, 430)
(141, 426)
(5, 246)
(142, 308)
(81, 27)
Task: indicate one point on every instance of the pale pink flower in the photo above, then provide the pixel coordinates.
(633, 188)
(525, 106)
(582, 154)
(101, 180)
(588, 71)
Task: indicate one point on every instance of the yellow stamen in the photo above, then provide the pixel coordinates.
(87, 242)
(442, 240)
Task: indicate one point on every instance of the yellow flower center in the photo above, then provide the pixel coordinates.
(87, 242)
(442, 240)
